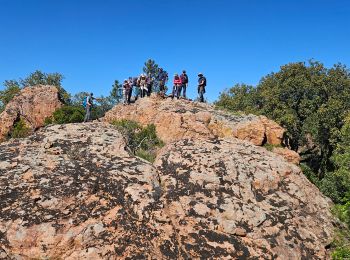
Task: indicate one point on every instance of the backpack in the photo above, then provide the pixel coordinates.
(85, 101)
(184, 78)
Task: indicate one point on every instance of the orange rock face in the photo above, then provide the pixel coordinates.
(33, 105)
(181, 119)
(289, 155)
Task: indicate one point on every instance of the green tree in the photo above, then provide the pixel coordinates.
(54, 79)
(241, 97)
(309, 100)
(116, 93)
(12, 87)
(151, 68)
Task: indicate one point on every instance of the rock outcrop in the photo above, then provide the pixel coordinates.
(74, 192)
(182, 119)
(33, 105)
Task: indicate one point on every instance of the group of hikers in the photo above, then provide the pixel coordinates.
(144, 85)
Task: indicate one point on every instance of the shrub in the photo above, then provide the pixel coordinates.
(341, 246)
(142, 141)
(20, 130)
(65, 115)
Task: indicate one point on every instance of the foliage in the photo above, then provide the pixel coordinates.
(19, 130)
(116, 93)
(236, 99)
(307, 99)
(142, 141)
(270, 147)
(12, 88)
(37, 77)
(104, 104)
(151, 68)
(66, 114)
(340, 246)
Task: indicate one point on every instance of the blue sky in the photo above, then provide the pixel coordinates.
(94, 42)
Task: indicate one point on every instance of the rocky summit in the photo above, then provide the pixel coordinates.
(74, 192)
(183, 119)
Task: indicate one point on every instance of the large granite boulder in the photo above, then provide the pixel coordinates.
(74, 192)
(33, 105)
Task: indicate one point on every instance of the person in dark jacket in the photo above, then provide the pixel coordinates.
(202, 83)
(184, 83)
(126, 90)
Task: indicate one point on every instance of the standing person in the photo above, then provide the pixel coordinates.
(177, 84)
(130, 81)
(88, 102)
(136, 87)
(202, 83)
(162, 79)
(126, 90)
(184, 81)
(143, 85)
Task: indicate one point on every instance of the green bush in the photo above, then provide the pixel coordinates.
(142, 141)
(20, 130)
(340, 246)
(66, 114)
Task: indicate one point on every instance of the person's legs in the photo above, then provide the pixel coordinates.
(87, 114)
(149, 90)
(141, 91)
(126, 98)
(137, 92)
(179, 88)
(129, 96)
(201, 95)
(174, 91)
(184, 90)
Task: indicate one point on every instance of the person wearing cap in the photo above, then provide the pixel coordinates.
(184, 83)
(202, 83)
(177, 84)
(88, 107)
(143, 85)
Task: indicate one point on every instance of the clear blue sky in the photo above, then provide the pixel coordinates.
(94, 42)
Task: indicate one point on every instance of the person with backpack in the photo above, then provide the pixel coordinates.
(184, 81)
(177, 84)
(202, 83)
(88, 103)
(162, 79)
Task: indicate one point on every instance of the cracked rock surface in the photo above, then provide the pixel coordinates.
(183, 119)
(74, 192)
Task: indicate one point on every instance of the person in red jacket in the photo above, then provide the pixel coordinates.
(177, 84)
